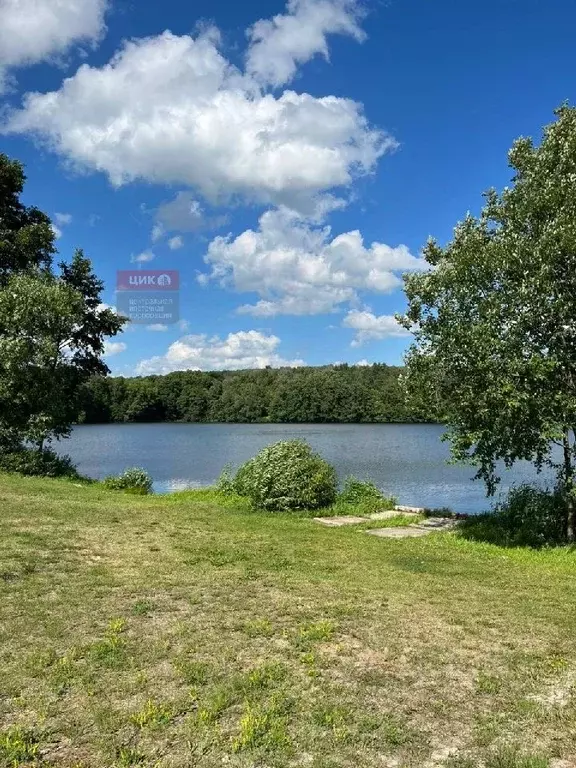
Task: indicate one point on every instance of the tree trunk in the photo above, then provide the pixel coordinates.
(568, 482)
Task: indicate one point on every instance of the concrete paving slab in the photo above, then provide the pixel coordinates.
(337, 522)
(438, 523)
(400, 532)
(388, 514)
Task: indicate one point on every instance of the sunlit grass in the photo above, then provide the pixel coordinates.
(190, 630)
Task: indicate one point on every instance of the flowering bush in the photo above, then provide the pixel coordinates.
(287, 476)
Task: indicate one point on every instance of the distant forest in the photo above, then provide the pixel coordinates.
(332, 394)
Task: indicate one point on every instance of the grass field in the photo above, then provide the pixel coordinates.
(182, 631)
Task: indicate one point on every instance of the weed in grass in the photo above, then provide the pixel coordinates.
(215, 704)
(261, 728)
(393, 732)
(142, 608)
(152, 715)
(64, 671)
(489, 684)
(194, 672)
(264, 676)
(510, 757)
(309, 661)
(17, 746)
(258, 628)
(127, 757)
(330, 716)
(111, 650)
(316, 632)
(38, 662)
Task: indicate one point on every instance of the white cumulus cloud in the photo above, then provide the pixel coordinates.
(63, 219)
(280, 44)
(171, 109)
(159, 327)
(112, 348)
(242, 350)
(36, 30)
(301, 269)
(370, 327)
(175, 243)
(143, 258)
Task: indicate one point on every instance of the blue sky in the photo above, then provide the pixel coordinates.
(289, 160)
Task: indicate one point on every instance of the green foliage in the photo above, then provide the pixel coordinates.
(494, 319)
(529, 517)
(152, 715)
(287, 476)
(329, 394)
(27, 240)
(362, 497)
(29, 461)
(511, 757)
(52, 325)
(18, 746)
(134, 480)
(225, 483)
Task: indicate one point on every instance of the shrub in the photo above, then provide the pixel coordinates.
(532, 517)
(133, 480)
(287, 476)
(31, 461)
(363, 496)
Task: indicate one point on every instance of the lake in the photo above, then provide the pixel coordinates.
(406, 460)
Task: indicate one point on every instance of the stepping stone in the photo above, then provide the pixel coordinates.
(388, 514)
(400, 532)
(413, 510)
(337, 522)
(438, 523)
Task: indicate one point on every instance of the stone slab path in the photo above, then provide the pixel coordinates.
(337, 522)
(427, 526)
(430, 525)
(399, 532)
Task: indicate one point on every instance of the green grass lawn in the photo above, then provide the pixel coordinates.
(186, 632)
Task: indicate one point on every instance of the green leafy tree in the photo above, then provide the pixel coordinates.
(495, 319)
(52, 325)
(26, 234)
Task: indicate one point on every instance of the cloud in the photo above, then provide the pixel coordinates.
(143, 258)
(182, 214)
(36, 30)
(62, 219)
(369, 327)
(175, 243)
(300, 269)
(157, 232)
(242, 350)
(157, 327)
(279, 45)
(112, 348)
(171, 109)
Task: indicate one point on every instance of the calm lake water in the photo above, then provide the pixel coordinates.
(407, 460)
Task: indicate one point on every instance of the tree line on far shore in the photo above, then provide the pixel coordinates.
(330, 394)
